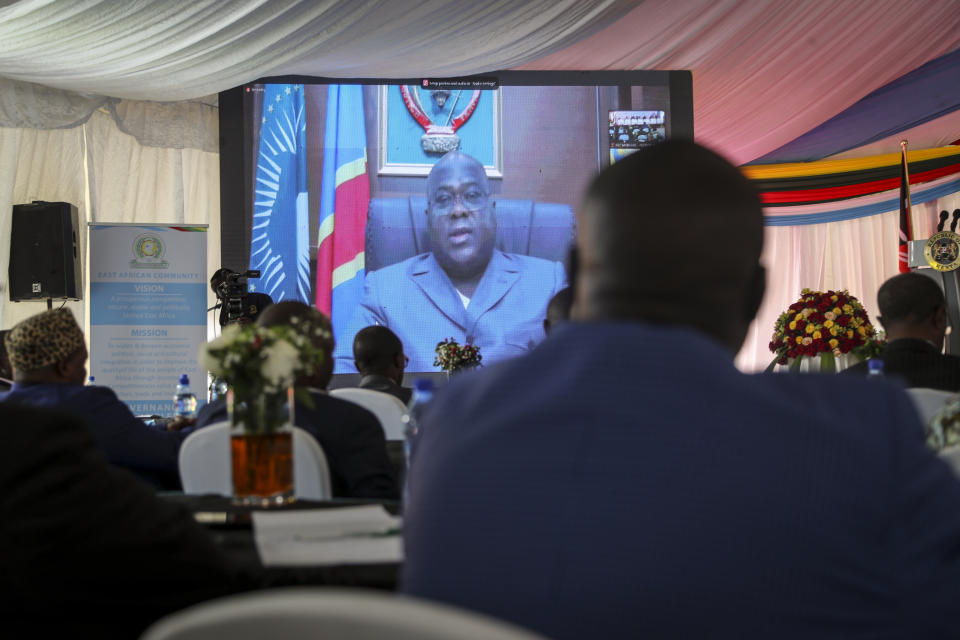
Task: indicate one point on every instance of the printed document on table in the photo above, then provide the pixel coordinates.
(348, 535)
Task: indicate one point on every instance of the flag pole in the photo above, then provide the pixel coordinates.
(906, 222)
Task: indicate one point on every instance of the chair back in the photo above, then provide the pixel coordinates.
(952, 457)
(205, 467)
(397, 229)
(929, 402)
(388, 409)
(299, 613)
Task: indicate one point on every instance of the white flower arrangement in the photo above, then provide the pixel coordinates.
(261, 363)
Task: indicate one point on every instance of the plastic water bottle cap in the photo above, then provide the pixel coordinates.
(875, 365)
(423, 384)
(184, 379)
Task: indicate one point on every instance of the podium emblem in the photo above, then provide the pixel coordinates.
(942, 251)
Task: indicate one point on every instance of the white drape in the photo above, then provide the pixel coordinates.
(857, 255)
(111, 177)
(173, 50)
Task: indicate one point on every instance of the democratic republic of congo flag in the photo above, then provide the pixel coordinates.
(280, 242)
(344, 198)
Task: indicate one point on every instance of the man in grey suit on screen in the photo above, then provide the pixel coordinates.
(464, 288)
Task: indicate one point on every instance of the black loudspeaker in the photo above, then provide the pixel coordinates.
(44, 252)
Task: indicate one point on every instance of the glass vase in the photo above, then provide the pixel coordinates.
(261, 447)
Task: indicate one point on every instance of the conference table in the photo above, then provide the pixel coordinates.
(231, 528)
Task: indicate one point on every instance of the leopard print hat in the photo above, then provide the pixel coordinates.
(43, 339)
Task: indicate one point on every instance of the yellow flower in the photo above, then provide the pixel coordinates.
(850, 333)
(828, 324)
(809, 328)
(834, 331)
(799, 340)
(798, 317)
(847, 308)
(817, 335)
(833, 343)
(834, 298)
(793, 325)
(837, 311)
(861, 331)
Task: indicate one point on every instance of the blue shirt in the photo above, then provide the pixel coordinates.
(626, 480)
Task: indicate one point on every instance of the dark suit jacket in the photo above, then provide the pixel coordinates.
(918, 363)
(89, 551)
(627, 481)
(124, 440)
(386, 385)
(351, 438)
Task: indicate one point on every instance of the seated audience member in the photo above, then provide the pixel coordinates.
(378, 356)
(6, 371)
(914, 315)
(558, 309)
(626, 480)
(89, 552)
(351, 437)
(49, 358)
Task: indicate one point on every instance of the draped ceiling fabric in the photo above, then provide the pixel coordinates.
(175, 50)
(775, 81)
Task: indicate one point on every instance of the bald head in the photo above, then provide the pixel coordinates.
(311, 322)
(672, 235)
(378, 351)
(460, 218)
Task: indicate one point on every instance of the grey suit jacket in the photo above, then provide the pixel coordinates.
(417, 301)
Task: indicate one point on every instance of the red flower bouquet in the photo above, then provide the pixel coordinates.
(825, 324)
(454, 357)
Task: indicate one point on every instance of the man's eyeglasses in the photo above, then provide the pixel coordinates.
(444, 203)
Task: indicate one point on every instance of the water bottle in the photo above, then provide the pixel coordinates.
(184, 402)
(874, 368)
(422, 396)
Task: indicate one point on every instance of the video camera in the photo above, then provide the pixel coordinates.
(232, 291)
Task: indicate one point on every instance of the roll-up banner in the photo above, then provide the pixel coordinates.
(148, 295)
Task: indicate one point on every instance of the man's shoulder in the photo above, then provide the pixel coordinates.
(345, 413)
(59, 393)
(524, 263)
(401, 269)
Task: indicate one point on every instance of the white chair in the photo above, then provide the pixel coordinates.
(333, 614)
(388, 409)
(952, 456)
(204, 462)
(929, 402)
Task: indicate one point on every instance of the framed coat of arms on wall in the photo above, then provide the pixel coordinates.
(418, 124)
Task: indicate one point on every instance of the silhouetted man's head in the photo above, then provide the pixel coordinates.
(462, 225)
(312, 323)
(48, 347)
(558, 309)
(378, 351)
(672, 235)
(912, 306)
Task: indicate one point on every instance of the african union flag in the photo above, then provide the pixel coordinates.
(279, 245)
(344, 197)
